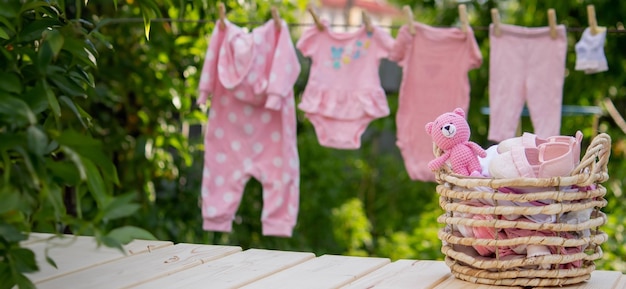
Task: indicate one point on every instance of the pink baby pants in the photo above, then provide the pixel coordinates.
(244, 141)
(526, 66)
(252, 126)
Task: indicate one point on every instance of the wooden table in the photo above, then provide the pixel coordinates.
(162, 264)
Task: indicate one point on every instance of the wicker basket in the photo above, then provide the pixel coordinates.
(550, 270)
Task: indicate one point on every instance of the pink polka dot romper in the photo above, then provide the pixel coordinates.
(252, 126)
(343, 94)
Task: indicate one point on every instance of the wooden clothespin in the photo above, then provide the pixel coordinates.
(316, 19)
(276, 17)
(593, 23)
(368, 22)
(222, 14)
(552, 22)
(409, 18)
(463, 17)
(495, 19)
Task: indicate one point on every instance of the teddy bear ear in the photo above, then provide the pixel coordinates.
(429, 127)
(459, 111)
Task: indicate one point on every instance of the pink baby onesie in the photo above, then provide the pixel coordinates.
(435, 62)
(526, 65)
(343, 94)
(252, 126)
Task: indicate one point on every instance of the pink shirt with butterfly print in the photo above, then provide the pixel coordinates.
(343, 81)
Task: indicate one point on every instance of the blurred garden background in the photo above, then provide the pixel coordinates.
(100, 134)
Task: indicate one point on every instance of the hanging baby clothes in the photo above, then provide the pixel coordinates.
(252, 125)
(343, 94)
(590, 56)
(526, 65)
(435, 62)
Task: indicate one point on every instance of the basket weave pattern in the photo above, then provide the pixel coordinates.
(549, 270)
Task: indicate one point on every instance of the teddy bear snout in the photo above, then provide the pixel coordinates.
(448, 130)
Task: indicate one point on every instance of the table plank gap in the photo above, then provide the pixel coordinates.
(232, 271)
(404, 274)
(140, 268)
(75, 253)
(621, 284)
(327, 271)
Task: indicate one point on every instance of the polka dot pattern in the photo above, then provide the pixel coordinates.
(248, 129)
(275, 136)
(266, 117)
(219, 133)
(245, 139)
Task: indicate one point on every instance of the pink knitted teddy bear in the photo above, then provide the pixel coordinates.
(451, 133)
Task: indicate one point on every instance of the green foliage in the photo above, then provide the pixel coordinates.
(351, 227)
(55, 175)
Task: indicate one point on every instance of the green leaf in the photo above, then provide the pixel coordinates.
(80, 50)
(126, 234)
(60, 3)
(94, 182)
(44, 57)
(66, 171)
(75, 158)
(51, 261)
(10, 140)
(66, 85)
(79, 75)
(55, 198)
(16, 111)
(10, 9)
(70, 104)
(35, 29)
(10, 199)
(10, 82)
(120, 207)
(37, 140)
(55, 39)
(31, 5)
(36, 98)
(4, 34)
(90, 148)
(112, 242)
(28, 162)
(24, 260)
(6, 278)
(52, 99)
(24, 283)
(74, 139)
(11, 234)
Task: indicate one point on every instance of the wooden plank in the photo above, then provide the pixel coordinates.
(140, 268)
(404, 274)
(328, 271)
(144, 246)
(74, 253)
(599, 279)
(232, 271)
(621, 284)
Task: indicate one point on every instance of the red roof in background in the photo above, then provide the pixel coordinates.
(372, 6)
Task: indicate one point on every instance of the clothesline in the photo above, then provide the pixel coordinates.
(110, 21)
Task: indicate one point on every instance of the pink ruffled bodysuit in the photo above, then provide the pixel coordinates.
(343, 94)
